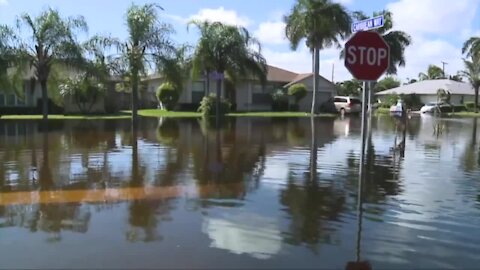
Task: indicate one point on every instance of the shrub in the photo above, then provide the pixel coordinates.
(167, 95)
(208, 106)
(298, 90)
(470, 106)
(280, 101)
(412, 101)
(83, 90)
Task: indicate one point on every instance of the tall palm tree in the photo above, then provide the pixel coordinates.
(50, 42)
(472, 74)
(148, 45)
(227, 49)
(433, 73)
(398, 41)
(471, 46)
(322, 24)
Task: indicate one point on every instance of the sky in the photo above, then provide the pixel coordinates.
(438, 27)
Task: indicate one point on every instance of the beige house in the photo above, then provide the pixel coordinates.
(29, 98)
(326, 90)
(248, 94)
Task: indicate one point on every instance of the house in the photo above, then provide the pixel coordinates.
(326, 90)
(247, 94)
(426, 90)
(28, 99)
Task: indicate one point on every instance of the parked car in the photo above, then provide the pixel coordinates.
(345, 104)
(430, 107)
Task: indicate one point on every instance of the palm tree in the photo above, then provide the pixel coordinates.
(322, 24)
(148, 44)
(472, 74)
(51, 42)
(8, 43)
(398, 41)
(433, 73)
(471, 46)
(227, 49)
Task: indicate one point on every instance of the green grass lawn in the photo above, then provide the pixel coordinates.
(67, 117)
(382, 111)
(163, 113)
(464, 114)
(278, 114)
(158, 113)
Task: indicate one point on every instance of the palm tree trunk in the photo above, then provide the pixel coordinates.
(476, 100)
(316, 70)
(43, 84)
(217, 102)
(134, 95)
(313, 151)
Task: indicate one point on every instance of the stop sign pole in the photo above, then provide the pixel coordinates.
(367, 57)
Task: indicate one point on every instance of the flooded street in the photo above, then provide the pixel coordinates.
(176, 193)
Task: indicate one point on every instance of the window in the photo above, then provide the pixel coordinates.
(10, 100)
(343, 100)
(257, 89)
(198, 86)
(355, 101)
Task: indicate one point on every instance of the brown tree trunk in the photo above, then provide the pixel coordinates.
(134, 95)
(43, 84)
(476, 100)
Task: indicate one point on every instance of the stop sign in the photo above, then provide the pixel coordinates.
(367, 56)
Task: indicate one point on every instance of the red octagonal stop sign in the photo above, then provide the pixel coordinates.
(367, 56)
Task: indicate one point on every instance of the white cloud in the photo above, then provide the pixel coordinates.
(426, 52)
(433, 16)
(3, 2)
(221, 15)
(271, 33)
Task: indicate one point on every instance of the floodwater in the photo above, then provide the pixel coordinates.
(176, 193)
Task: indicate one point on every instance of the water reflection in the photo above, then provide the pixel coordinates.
(280, 190)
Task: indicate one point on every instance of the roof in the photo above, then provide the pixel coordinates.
(275, 74)
(430, 87)
(303, 76)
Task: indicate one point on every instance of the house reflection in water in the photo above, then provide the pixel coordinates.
(244, 233)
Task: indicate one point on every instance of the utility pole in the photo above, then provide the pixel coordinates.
(333, 71)
(443, 69)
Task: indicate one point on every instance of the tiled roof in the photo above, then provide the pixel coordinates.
(276, 74)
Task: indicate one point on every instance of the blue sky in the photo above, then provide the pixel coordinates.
(438, 27)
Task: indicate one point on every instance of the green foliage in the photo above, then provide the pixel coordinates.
(433, 73)
(472, 46)
(412, 101)
(351, 88)
(280, 101)
(389, 100)
(208, 106)
(472, 74)
(298, 91)
(470, 106)
(386, 83)
(50, 42)
(83, 91)
(168, 95)
(226, 48)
